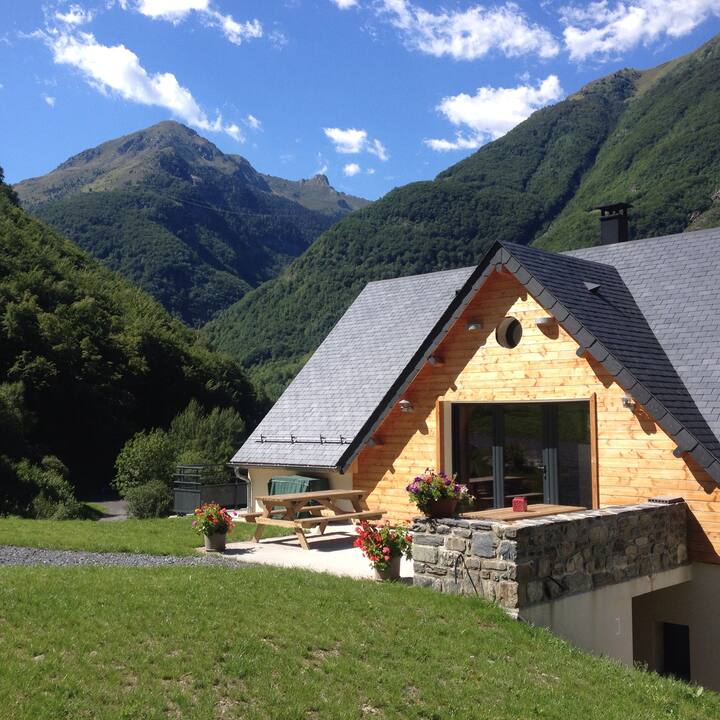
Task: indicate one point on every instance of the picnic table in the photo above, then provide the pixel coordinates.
(283, 511)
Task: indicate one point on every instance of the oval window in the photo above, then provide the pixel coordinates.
(509, 333)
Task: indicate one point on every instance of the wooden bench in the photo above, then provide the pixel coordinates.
(288, 506)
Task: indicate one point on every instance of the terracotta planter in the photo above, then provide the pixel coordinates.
(215, 542)
(392, 571)
(445, 507)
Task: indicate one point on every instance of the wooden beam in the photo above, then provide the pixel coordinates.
(440, 439)
(594, 462)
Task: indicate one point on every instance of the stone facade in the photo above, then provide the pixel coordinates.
(526, 562)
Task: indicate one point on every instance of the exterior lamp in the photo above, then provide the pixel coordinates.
(435, 360)
(374, 442)
(474, 325)
(405, 406)
(628, 402)
(545, 321)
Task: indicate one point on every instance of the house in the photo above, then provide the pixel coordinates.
(589, 379)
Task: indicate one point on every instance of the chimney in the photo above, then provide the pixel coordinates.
(613, 223)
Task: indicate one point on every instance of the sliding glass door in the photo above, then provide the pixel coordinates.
(540, 451)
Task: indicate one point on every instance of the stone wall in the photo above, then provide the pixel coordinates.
(526, 562)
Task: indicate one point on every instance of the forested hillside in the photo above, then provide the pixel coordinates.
(86, 360)
(190, 225)
(648, 137)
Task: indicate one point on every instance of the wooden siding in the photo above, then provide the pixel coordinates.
(634, 459)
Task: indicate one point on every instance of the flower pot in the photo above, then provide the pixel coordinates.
(445, 507)
(215, 542)
(392, 571)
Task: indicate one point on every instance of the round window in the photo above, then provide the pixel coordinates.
(509, 332)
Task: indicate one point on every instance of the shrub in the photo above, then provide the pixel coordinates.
(147, 456)
(206, 438)
(52, 494)
(153, 499)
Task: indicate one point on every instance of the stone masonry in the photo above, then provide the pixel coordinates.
(526, 562)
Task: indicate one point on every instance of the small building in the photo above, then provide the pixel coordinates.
(588, 378)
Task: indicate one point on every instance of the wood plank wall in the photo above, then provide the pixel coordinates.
(634, 456)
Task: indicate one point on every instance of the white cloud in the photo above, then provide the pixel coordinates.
(345, 4)
(50, 100)
(75, 15)
(603, 30)
(176, 11)
(252, 122)
(469, 34)
(375, 147)
(370, 171)
(323, 165)
(351, 169)
(491, 112)
(117, 69)
(352, 141)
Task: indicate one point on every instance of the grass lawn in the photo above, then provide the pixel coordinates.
(157, 537)
(264, 643)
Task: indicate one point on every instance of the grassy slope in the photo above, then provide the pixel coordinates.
(663, 156)
(288, 645)
(155, 537)
(508, 190)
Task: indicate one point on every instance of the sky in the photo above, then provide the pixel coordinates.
(372, 93)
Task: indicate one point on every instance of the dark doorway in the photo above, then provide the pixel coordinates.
(540, 451)
(676, 651)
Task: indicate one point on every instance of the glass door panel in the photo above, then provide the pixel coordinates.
(475, 431)
(574, 478)
(523, 457)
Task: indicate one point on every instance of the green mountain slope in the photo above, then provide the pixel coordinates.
(663, 157)
(86, 359)
(508, 190)
(192, 226)
(651, 137)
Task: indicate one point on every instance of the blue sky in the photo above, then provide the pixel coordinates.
(375, 93)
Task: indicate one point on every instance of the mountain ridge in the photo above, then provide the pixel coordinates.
(195, 227)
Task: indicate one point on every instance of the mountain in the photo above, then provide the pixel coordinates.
(316, 194)
(195, 228)
(650, 137)
(87, 359)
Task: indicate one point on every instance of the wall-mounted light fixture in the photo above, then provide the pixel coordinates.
(628, 402)
(545, 321)
(435, 360)
(374, 442)
(474, 325)
(405, 406)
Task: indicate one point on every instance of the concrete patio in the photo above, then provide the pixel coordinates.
(332, 553)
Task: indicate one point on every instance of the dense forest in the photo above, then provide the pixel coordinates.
(650, 138)
(193, 227)
(86, 361)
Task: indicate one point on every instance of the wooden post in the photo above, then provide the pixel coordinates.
(440, 439)
(594, 463)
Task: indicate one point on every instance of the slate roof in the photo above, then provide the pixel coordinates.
(652, 322)
(349, 375)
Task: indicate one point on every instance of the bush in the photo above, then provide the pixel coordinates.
(146, 457)
(206, 438)
(153, 499)
(53, 497)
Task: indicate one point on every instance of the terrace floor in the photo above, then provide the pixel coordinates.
(332, 553)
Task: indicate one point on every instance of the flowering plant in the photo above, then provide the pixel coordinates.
(211, 519)
(432, 486)
(380, 543)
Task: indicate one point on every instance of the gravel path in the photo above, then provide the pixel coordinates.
(12, 555)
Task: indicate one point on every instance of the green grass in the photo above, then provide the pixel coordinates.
(262, 643)
(156, 537)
